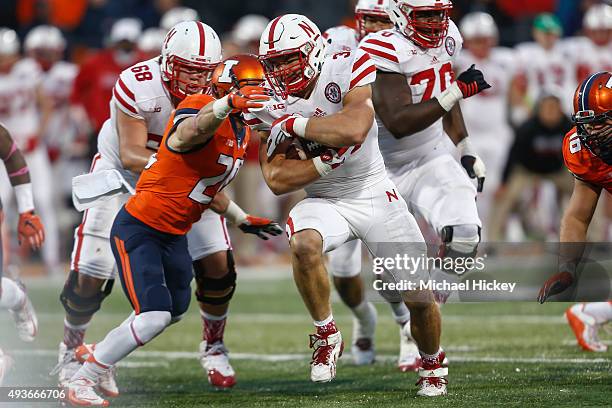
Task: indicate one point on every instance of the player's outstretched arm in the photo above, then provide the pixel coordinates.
(574, 227)
(348, 127)
(284, 175)
(30, 229)
(198, 129)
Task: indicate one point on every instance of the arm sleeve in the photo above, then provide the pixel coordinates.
(363, 70)
(382, 52)
(124, 98)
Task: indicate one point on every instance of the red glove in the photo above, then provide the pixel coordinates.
(260, 226)
(248, 97)
(555, 285)
(30, 230)
(471, 82)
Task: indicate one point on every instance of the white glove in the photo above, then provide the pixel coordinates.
(472, 163)
(277, 134)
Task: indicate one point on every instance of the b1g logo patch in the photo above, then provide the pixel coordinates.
(450, 45)
(332, 92)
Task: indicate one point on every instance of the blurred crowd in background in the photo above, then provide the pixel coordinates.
(81, 46)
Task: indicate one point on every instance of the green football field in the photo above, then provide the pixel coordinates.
(511, 354)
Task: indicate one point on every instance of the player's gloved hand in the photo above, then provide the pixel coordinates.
(260, 226)
(471, 82)
(278, 134)
(30, 230)
(556, 284)
(330, 160)
(248, 97)
(472, 163)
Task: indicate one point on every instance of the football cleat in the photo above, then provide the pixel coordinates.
(6, 363)
(107, 384)
(362, 348)
(67, 365)
(328, 348)
(215, 361)
(25, 319)
(409, 357)
(81, 393)
(432, 378)
(585, 329)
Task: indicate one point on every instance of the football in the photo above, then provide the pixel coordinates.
(308, 148)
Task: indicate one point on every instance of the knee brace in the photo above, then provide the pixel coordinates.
(216, 291)
(147, 325)
(460, 240)
(80, 306)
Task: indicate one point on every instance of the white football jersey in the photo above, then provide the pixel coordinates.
(363, 166)
(141, 94)
(554, 68)
(487, 112)
(57, 83)
(428, 71)
(589, 57)
(18, 101)
(339, 39)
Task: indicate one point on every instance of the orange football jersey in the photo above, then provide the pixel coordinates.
(175, 188)
(585, 165)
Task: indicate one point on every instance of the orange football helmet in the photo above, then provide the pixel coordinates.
(593, 114)
(236, 72)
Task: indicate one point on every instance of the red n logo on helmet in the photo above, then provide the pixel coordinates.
(308, 29)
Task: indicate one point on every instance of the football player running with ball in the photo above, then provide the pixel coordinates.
(201, 152)
(323, 106)
(587, 150)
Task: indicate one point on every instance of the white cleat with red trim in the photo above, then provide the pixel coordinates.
(327, 349)
(107, 384)
(25, 319)
(585, 329)
(6, 363)
(409, 357)
(81, 393)
(215, 362)
(432, 378)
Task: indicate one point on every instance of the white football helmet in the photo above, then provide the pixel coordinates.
(370, 8)
(249, 28)
(189, 46)
(425, 22)
(9, 42)
(178, 15)
(291, 37)
(478, 25)
(598, 17)
(125, 29)
(152, 40)
(45, 37)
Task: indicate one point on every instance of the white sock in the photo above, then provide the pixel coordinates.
(363, 310)
(90, 370)
(324, 322)
(601, 311)
(400, 312)
(12, 296)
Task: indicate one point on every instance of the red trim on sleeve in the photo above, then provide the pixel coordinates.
(123, 102)
(364, 58)
(381, 54)
(369, 70)
(125, 89)
(381, 43)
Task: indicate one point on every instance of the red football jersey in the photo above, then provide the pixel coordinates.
(585, 165)
(176, 188)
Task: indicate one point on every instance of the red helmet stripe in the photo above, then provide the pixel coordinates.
(271, 33)
(202, 37)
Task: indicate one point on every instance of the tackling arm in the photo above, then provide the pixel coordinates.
(283, 175)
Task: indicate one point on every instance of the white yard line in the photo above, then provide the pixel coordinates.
(182, 355)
